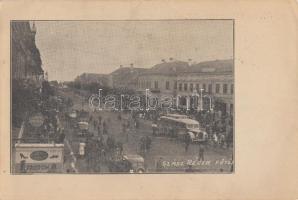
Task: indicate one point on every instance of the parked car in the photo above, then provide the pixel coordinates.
(127, 164)
(83, 129)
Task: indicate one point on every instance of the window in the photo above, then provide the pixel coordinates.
(231, 109)
(232, 88)
(225, 88)
(191, 87)
(204, 87)
(156, 84)
(175, 85)
(185, 86)
(217, 88)
(180, 86)
(190, 126)
(210, 88)
(167, 85)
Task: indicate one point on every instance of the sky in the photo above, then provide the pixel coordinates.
(70, 48)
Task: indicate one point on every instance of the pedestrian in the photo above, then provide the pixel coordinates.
(61, 137)
(148, 143)
(94, 124)
(111, 143)
(23, 168)
(105, 131)
(201, 152)
(123, 128)
(187, 142)
(120, 147)
(159, 165)
(104, 125)
(215, 139)
(98, 130)
(189, 169)
(222, 140)
(143, 147)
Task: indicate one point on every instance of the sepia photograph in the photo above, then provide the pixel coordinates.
(148, 100)
(122, 96)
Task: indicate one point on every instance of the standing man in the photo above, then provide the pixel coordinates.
(187, 142)
(148, 142)
(105, 129)
(201, 152)
(159, 165)
(99, 120)
(98, 130)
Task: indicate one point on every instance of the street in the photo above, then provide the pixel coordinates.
(173, 153)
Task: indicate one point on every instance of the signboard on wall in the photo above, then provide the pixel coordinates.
(40, 157)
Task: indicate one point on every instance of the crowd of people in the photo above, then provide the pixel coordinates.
(218, 126)
(106, 146)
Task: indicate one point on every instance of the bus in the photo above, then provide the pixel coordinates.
(180, 128)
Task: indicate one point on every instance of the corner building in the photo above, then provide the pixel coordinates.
(183, 80)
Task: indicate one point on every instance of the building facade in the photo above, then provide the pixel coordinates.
(161, 78)
(126, 77)
(25, 57)
(212, 80)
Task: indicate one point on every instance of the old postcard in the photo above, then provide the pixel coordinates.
(122, 96)
(198, 104)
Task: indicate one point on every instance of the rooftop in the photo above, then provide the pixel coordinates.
(178, 67)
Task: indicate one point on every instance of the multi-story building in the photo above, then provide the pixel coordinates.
(25, 58)
(215, 79)
(161, 78)
(126, 77)
(212, 79)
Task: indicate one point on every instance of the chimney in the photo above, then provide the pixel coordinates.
(33, 27)
(131, 68)
(189, 61)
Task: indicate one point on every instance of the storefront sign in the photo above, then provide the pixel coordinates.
(36, 120)
(39, 158)
(39, 153)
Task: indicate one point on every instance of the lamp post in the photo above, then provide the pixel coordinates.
(210, 102)
(201, 99)
(195, 93)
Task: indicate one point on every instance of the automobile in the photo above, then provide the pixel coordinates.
(154, 128)
(73, 114)
(127, 164)
(178, 126)
(83, 128)
(177, 116)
